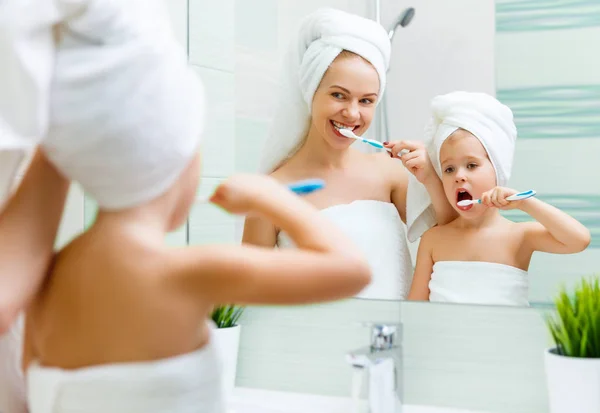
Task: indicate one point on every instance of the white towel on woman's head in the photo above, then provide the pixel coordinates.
(114, 103)
(478, 113)
(320, 39)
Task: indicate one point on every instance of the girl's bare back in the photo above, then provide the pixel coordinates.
(111, 298)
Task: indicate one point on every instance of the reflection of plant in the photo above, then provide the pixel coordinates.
(226, 316)
(576, 327)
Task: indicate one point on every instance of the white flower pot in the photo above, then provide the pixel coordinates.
(573, 383)
(227, 341)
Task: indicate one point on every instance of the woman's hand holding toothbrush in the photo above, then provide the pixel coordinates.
(415, 158)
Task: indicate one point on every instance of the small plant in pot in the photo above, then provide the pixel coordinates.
(227, 341)
(573, 364)
(227, 316)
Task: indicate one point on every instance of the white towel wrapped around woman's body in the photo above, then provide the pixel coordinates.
(476, 282)
(377, 230)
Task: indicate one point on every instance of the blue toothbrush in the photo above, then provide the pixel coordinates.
(303, 187)
(515, 197)
(306, 186)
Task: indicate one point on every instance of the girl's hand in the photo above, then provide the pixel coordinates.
(496, 198)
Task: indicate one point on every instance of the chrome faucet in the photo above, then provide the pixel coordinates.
(381, 362)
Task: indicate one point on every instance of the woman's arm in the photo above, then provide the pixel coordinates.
(419, 290)
(28, 226)
(444, 213)
(325, 266)
(417, 162)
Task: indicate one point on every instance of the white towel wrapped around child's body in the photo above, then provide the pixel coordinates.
(475, 282)
(187, 383)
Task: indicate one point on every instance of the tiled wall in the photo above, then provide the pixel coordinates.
(211, 52)
(487, 358)
(548, 73)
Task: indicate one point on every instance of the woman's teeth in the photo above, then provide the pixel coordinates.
(341, 125)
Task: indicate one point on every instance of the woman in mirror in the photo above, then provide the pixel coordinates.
(333, 78)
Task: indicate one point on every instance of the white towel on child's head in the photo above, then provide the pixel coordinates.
(478, 113)
(118, 108)
(320, 39)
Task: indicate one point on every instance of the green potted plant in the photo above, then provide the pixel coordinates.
(573, 364)
(227, 340)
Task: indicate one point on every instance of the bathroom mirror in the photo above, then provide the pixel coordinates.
(500, 48)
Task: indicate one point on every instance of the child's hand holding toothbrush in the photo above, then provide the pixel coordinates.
(504, 198)
(415, 158)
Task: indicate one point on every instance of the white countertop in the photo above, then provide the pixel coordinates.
(246, 400)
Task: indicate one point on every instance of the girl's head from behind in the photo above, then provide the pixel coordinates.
(164, 213)
(346, 98)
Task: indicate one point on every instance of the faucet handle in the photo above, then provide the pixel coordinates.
(383, 335)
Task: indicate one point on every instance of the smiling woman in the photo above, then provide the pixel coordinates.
(336, 83)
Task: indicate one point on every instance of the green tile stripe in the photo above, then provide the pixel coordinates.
(584, 208)
(537, 15)
(555, 111)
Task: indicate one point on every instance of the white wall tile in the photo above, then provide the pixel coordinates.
(477, 357)
(179, 17)
(72, 220)
(218, 141)
(177, 238)
(211, 33)
(303, 348)
(488, 358)
(209, 224)
(548, 58)
(256, 24)
(250, 137)
(449, 45)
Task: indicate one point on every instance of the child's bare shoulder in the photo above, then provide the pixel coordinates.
(433, 234)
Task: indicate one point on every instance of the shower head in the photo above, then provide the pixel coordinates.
(403, 20)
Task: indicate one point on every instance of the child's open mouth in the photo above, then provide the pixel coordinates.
(337, 126)
(461, 195)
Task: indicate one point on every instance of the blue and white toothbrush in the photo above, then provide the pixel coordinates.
(351, 135)
(515, 197)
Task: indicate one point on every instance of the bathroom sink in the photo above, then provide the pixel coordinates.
(245, 400)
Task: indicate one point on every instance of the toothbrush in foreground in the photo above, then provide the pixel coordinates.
(515, 197)
(351, 135)
(303, 187)
(306, 186)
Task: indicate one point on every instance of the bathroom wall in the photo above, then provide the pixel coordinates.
(548, 72)
(488, 358)
(211, 52)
